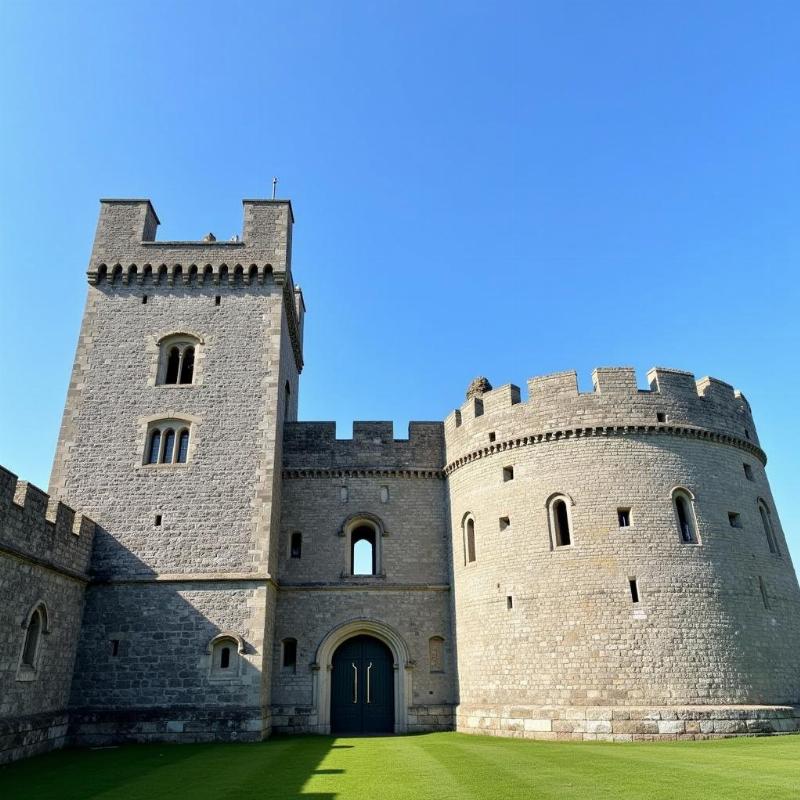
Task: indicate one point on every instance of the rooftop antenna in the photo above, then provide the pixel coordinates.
(274, 187)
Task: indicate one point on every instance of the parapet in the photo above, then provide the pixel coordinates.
(34, 525)
(314, 446)
(125, 246)
(674, 398)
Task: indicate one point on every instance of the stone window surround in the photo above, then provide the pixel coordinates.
(688, 495)
(173, 419)
(353, 522)
(26, 672)
(769, 529)
(234, 672)
(464, 521)
(551, 521)
(158, 344)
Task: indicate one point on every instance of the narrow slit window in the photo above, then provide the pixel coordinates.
(33, 635)
(158, 521)
(225, 658)
(685, 514)
(296, 547)
(155, 447)
(183, 447)
(560, 521)
(769, 531)
(169, 446)
(173, 365)
(470, 534)
(748, 472)
(634, 587)
(624, 517)
(114, 647)
(763, 589)
(289, 660)
(217, 300)
(509, 602)
(144, 299)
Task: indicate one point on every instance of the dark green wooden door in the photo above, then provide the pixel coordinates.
(362, 687)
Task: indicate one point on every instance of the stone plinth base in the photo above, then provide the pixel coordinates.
(28, 736)
(627, 723)
(97, 727)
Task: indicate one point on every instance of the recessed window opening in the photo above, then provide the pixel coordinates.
(114, 647)
(492, 436)
(508, 474)
(470, 541)
(746, 434)
(769, 531)
(296, 547)
(763, 589)
(634, 587)
(748, 472)
(505, 523)
(177, 360)
(158, 520)
(225, 658)
(478, 407)
(624, 517)
(289, 657)
(661, 416)
(343, 494)
(362, 544)
(734, 519)
(144, 299)
(162, 447)
(436, 653)
(562, 532)
(217, 300)
(509, 602)
(287, 397)
(33, 635)
(384, 494)
(686, 522)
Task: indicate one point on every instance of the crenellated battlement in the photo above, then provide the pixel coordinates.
(314, 446)
(35, 525)
(125, 249)
(674, 398)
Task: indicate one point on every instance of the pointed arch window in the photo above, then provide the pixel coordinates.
(769, 531)
(177, 359)
(35, 628)
(683, 503)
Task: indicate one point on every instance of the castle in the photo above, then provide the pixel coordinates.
(604, 564)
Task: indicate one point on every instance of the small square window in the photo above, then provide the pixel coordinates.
(624, 517)
(735, 519)
(158, 520)
(505, 523)
(217, 300)
(508, 473)
(492, 436)
(509, 602)
(661, 416)
(748, 472)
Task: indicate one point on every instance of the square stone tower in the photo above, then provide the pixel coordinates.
(186, 369)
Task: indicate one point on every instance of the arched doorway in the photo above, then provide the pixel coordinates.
(362, 687)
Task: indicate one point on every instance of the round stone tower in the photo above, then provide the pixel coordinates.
(619, 568)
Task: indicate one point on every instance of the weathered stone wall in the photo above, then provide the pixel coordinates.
(183, 550)
(44, 553)
(399, 484)
(573, 638)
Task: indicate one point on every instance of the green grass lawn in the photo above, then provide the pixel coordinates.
(444, 766)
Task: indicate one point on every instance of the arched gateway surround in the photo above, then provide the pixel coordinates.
(324, 663)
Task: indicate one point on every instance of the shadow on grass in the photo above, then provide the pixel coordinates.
(276, 769)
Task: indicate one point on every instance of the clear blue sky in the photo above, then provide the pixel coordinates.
(500, 189)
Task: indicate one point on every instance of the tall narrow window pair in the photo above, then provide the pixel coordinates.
(177, 357)
(769, 531)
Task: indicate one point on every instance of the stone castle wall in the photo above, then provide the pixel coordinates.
(44, 555)
(328, 483)
(572, 641)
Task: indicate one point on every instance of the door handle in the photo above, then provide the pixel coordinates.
(368, 681)
(355, 682)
